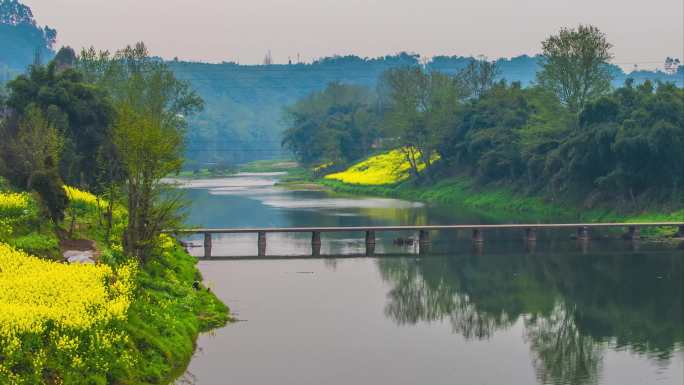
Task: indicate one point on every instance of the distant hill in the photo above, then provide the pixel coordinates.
(243, 121)
(22, 41)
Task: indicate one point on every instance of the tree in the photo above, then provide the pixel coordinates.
(29, 144)
(148, 136)
(420, 111)
(337, 125)
(479, 76)
(575, 65)
(29, 154)
(81, 112)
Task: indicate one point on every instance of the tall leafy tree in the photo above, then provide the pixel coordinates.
(479, 76)
(29, 155)
(575, 65)
(151, 106)
(421, 108)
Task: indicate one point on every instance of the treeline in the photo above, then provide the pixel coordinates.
(113, 124)
(570, 133)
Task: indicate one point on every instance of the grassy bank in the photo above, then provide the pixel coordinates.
(498, 202)
(112, 322)
(280, 165)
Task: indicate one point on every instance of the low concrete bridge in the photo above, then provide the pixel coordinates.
(583, 231)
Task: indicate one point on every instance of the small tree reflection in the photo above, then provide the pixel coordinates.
(561, 353)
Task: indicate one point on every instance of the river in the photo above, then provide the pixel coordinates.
(561, 312)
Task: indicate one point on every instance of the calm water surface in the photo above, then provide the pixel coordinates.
(559, 313)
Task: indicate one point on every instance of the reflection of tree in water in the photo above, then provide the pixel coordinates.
(414, 299)
(573, 306)
(562, 354)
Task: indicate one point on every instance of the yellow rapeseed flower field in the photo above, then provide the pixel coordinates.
(83, 197)
(14, 204)
(388, 168)
(68, 307)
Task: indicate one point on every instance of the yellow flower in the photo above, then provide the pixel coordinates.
(83, 197)
(388, 168)
(14, 204)
(34, 292)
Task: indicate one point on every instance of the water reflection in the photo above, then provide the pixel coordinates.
(562, 353)
(574, 307)
(503, 312)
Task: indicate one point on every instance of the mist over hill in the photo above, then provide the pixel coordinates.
(243, 115)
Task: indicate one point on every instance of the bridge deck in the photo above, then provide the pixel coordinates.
(426, 227)
(583, 232)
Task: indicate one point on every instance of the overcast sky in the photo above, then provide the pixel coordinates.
(643, 32)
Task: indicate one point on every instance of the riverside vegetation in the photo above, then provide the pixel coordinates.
(569, 146)
(113, 125)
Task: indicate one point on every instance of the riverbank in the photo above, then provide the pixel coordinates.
(498, 202)
(108, 320)
(259, 166)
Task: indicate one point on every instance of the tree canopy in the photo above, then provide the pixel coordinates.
(575, 65)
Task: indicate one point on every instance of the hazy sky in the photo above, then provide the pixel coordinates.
(643, 32)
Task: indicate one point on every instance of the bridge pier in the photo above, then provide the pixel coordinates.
(530, 235)
(207, 245)
(370, 242)
(316, 243)
(633, 234)
(478, 237)
(261, 243)
(583, 233)
(423, 237)
(423, 242)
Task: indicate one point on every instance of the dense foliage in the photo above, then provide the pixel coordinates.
(337, 125)
(623, 141)
(80, 112)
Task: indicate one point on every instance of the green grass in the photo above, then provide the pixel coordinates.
(207, 173)
(46, 245)
(277, 165)
(504, 204)
(167, 316)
